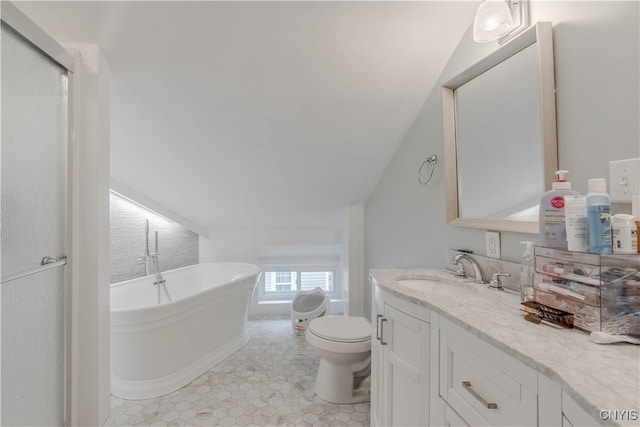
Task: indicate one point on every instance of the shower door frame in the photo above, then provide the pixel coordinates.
(27, 28)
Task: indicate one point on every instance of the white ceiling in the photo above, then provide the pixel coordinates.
(261, 114)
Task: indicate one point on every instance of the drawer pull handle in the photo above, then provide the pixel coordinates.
(378, 337)
(381, 331)
(467, 386)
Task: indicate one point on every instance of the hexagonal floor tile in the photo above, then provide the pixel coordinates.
(268, 382)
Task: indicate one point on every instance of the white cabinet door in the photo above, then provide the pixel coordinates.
(406, 369)
(452, 419)
(400, 362)
(377, 360)
(574, 415)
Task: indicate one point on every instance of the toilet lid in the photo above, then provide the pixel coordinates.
(343, 329)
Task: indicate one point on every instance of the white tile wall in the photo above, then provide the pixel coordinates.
(178, 246)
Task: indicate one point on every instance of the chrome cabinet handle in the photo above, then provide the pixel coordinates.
(378, 317)
(467, 386)
(381, 331)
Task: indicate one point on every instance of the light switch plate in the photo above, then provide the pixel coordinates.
(493, 244)
(624, 180)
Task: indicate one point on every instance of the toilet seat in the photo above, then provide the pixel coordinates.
(341, 329)
(340, 334)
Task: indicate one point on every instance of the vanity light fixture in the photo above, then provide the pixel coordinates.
(499, 20)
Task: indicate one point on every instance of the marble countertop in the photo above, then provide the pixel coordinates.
(597, 377)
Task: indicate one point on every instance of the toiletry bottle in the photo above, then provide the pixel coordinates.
(526, 272)
(599, 217)
(575, 213)
(551, 218)
(624, 234)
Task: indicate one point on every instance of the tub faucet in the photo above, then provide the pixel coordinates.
(462, 272)
(160, 282)
(145, 258)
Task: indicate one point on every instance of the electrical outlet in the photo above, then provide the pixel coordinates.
(493, 244)
(624, 180)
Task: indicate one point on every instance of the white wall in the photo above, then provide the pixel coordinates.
(271, 245)
(244, 244)
(596, 62)
(177, 245)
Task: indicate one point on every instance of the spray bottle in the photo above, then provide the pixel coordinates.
(526, 272)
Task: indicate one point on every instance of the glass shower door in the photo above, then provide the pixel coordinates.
(33, 208)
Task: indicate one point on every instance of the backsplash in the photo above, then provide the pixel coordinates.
(489, 266)
(178, 246)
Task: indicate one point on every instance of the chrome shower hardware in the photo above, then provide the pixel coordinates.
(144, 259)
(160, 282)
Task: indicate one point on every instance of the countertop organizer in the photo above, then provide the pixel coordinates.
(601, 291)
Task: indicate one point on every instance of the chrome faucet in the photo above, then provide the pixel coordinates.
(495, 281)
(160, 282)
(144, 259)
(462, 272)
(156, 264)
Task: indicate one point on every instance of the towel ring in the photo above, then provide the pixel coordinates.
(431, 160)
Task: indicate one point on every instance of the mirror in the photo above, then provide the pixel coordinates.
(500, 143)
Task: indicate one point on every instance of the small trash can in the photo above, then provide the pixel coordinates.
(306, 306)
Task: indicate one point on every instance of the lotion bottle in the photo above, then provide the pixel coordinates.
(575, 212)
(599, 217)
(551, 219)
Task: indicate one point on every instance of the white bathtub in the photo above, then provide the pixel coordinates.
(159, 348)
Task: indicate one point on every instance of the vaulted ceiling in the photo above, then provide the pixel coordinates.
(260, 114)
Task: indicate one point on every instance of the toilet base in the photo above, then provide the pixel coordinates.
(334, 384)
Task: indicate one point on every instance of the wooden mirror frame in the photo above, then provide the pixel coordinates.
(542, 35)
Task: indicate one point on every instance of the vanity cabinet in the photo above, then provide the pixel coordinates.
(481, 383)
(451, 417)
(400, 358)
(432, 366)
(574, 415)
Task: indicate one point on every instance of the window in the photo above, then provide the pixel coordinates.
(283, 282)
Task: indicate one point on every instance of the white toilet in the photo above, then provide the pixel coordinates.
(344, 347)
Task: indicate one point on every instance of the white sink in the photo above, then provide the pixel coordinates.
(417, 281)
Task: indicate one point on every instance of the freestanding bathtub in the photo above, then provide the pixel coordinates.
(159, 348)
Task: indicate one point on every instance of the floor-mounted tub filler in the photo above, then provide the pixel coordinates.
(159, 348)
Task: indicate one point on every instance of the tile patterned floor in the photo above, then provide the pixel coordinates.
(268, 382)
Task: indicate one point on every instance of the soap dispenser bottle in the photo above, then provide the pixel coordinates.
(526, 272)
(551, 219)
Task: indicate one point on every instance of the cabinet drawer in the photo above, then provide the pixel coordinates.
(482, 384)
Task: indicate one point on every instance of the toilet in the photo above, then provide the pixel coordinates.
(344, 347)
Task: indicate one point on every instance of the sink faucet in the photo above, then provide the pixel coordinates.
(462, 272)
(495, 281)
